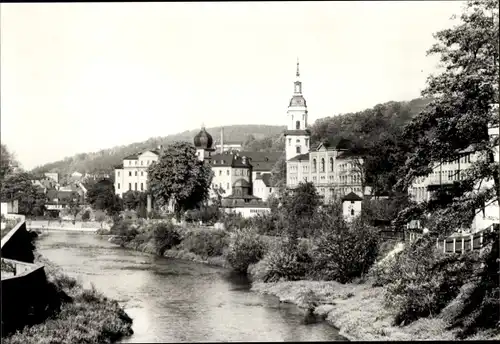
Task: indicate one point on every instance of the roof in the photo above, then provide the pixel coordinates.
(338, 143)
(301, 157)
(203, 139)
(262, 156)
(229, 160)
(298, 132)
(241, 183)
(266, 178)
(351, 196)
(132, 157)
(298, 100)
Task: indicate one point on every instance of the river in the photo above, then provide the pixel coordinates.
(178, 301)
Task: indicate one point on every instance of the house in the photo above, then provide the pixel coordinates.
(52, 175)
(132, 173)
(263, 187)
(60, 199)
(351, 206)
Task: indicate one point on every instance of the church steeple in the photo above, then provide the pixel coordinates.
(297, 83)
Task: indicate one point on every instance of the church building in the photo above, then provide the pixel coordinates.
(330, 166)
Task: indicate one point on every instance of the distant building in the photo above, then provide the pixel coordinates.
(328, 165)
(263, 187)
(132, 174)
(76, 175)
(10, 207)
(52, 175)
(351, 206)
(445, 174)
(60, 199)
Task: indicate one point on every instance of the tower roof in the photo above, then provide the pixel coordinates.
(203, 139)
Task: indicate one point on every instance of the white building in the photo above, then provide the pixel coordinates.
(132, 175)
(446, 173)
(351, 206)
(263, 187)
(328, 165)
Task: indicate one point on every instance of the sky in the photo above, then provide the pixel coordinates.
(80, 77)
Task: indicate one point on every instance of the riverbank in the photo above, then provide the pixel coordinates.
(83, 316)
(357, 310)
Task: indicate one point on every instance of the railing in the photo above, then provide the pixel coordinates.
(464, 243)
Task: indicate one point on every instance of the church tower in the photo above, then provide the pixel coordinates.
(297, 135)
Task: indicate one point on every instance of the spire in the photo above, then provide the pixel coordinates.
(202, 125)
(298, 72)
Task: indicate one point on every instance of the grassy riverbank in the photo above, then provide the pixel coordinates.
(85, 315)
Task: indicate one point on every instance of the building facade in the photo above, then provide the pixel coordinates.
(132, 174)
(328, 165)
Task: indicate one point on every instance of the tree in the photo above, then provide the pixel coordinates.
(101, 196)
(7, 161)
(19, 187)
(278, 174)
(179, 176)
(74, 204)
(132, 199)
(464, 105)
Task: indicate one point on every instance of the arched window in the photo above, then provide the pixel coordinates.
(314, 165)
(297, 125)
(322, 165)
(331, 164)
(297, 141)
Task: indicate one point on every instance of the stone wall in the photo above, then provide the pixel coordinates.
(18, 244)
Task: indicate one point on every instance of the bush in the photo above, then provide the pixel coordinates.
(288, 262)
(208, 215)
(206, 243)
(124, 228)
(424, 280)
(235, 221)
(165, 236)
(86, 215)
(245, 248)
(343, 252)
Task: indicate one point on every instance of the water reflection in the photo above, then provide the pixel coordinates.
(177, 301)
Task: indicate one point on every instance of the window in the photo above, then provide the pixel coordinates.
(322, 165)
(136, 162)
(314, 165)
(135, 186)
(304, 117)
(118, 186)
(136, 173)
(297, 125)
(118, 173)
(331, 164)
(297, 149)
(130, 173)
(147, 162)
(130, 162)
(227, 172)
(142, 187)
(352, 212)
(270, 189)
(142, 161)
(228, 186)
(130, 186)
(289, 142)
(142, 173)
(307, 142)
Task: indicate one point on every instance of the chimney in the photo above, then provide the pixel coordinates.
(222, 140)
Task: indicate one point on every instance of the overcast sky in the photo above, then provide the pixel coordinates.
(82, 77)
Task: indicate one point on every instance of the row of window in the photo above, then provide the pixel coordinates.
(214, 185)
(130, 173)
(118, 186)
(342, 167)
(343, 190)
(148, 162)
(237, 172)
(419, 194)
(258, 210)
(465, 159)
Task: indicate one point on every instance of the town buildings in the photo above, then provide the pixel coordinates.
(328, 165)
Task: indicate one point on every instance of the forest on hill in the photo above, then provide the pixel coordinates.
(105, 160)
(375, 130)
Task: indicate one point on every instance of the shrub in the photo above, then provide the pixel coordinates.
(235, 221)
(86, 215)
(245, 248)
(343, 252)
(125, 229)
(424, 280)
(206, 243)
(288, 262)
(165, 236)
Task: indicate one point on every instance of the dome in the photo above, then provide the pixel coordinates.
(298, 100)
(203, 140)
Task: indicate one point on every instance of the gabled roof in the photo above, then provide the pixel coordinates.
(351, 196)
(301, 157)
(266, 178)
(337, 143)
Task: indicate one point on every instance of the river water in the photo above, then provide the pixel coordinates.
(178, 301)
